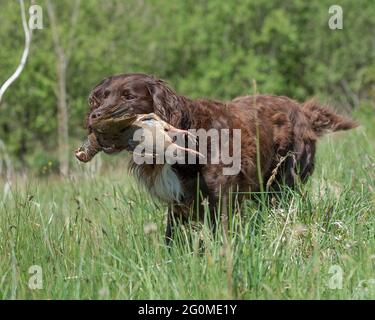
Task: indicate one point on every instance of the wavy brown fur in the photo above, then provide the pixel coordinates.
(285, 128)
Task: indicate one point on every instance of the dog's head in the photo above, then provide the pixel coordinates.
(119, 95)
(130, 94)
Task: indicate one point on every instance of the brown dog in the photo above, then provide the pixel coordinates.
(278, 141)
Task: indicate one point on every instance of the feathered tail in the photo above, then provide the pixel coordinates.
(323, 119)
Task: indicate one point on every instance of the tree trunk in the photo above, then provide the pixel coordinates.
(62, 116)
(62, 106)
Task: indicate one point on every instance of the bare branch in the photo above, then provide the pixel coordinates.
(25, 54)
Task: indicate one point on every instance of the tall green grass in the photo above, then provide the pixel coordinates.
(100, 237)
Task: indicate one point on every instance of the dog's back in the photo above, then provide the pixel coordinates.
(295, 130)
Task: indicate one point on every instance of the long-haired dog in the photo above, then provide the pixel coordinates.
(276, 133)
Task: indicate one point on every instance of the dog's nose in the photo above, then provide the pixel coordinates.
(94, 115)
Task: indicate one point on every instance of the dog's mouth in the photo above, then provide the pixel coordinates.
(105, 134)
(116, 113)
(112, 149)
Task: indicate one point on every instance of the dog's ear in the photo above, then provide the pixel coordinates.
(165, 100)
(158, 96)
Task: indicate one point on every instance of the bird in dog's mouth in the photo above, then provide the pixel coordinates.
(114, 133)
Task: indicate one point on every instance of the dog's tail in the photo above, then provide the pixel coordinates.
(323, 119)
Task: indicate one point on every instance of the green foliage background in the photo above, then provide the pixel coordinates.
(202, 48)
(88, 231)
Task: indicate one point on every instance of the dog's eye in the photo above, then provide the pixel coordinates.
(128, 96)
(106, 93)
(93, 102)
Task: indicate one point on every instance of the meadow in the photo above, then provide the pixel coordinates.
(96, 235)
